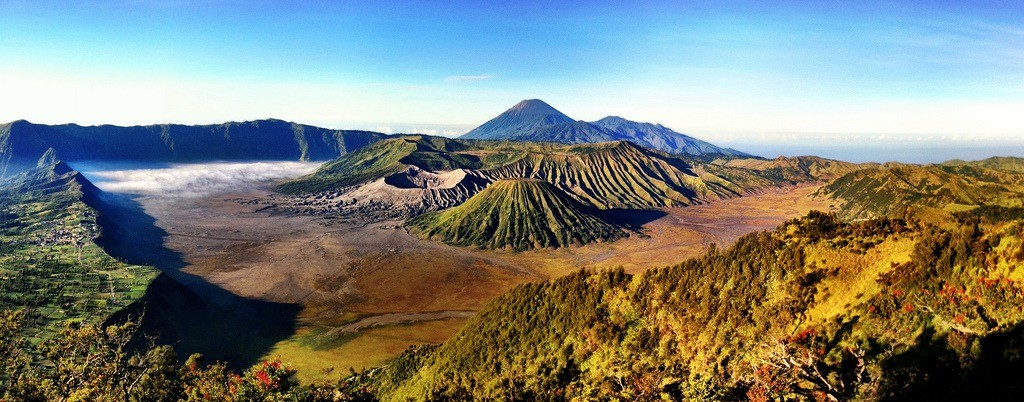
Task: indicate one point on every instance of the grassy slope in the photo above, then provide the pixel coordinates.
(366, 164)
(518, 214)
(929, 190)
(794, 169)
(1004, 163)
(42, 215)
(623, 175)
(391, 156)
(932, 313)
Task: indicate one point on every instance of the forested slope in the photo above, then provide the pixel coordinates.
(818, 309)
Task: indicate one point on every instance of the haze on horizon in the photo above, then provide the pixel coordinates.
(788, 77)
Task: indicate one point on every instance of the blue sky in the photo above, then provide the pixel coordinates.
(740, 72)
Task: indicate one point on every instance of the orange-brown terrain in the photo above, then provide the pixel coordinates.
(368, 291)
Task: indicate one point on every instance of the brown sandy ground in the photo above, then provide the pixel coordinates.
(368, 291)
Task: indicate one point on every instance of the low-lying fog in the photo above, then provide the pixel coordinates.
(190, 180)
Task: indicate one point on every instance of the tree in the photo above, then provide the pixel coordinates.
(14, 359)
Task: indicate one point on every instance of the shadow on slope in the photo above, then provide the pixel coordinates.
(935, 368)
(185, 310)
(632, 219)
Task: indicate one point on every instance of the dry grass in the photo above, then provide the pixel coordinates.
(682, 234)
(856, 275)
(365, 349)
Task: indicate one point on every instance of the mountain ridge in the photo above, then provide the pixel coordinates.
(535, 120)
(616, 174)
(933, 190)
(21, 142)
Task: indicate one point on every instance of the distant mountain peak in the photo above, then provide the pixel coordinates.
(622, 121)
(524, 118)
(48, 159)
(610, 119)
(535, 120)
(534, 107)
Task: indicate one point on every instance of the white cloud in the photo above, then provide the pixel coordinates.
(446, 130)
(465, 78)
(438, 131)
(198, 179)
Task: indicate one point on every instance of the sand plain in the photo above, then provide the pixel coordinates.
(367, 290)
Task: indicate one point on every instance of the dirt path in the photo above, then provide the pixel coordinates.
(397, 318)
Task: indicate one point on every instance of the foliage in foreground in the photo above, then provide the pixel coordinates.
(87, 362)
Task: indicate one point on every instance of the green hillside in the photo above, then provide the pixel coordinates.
(385, 158)
(50, 267)
(1002, 163)
(360, 166)
(817, 309)
(517, 214)
(936, 190)
(795, 169)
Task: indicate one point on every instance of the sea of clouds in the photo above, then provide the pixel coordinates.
(193, 179)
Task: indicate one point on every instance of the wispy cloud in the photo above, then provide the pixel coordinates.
(467, 78)
(197, 180)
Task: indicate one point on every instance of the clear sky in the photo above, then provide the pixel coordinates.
(731, 71)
